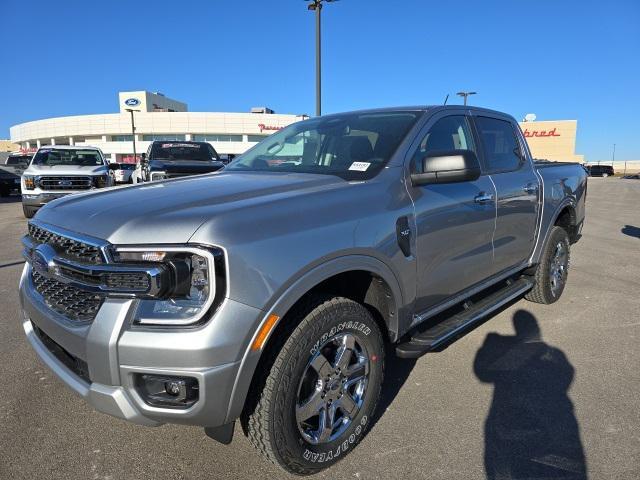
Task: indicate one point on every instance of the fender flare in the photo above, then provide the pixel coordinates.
(567, 202)
(297, 289)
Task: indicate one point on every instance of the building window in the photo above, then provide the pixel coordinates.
(164, 137)
(256, 138)
(214, 137)
(122, 138)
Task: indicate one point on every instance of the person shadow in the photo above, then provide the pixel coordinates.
(531, 431)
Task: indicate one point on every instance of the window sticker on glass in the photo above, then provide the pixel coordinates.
(359, 166)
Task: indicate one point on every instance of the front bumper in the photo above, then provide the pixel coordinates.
(40, 199)
(114, 353)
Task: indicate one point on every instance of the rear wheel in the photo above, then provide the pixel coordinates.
(29, 212)
(551, 273)
(315, 396)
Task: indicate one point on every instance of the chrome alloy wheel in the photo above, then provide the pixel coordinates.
(332, 389)
(558, 268)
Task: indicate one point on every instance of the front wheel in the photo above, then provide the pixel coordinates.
(551, 273)
(315, 397)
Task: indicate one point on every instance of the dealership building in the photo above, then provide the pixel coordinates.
(156, 117)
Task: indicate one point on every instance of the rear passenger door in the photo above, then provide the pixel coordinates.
(517, 187)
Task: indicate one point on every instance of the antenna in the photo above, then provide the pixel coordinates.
(446, 98)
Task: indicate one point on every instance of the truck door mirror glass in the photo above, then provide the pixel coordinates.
(447, 166)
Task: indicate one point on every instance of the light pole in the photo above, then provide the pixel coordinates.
(316, 5)
(613, 155)
(133, 133)
(465, 95)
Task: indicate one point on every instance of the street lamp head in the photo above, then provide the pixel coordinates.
(317, 4)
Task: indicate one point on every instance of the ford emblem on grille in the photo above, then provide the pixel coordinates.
(65, 183)
(42, 258)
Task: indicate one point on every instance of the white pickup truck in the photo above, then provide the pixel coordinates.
(56, 171)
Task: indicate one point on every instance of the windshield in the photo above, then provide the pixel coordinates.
(183, 151)
(18, 160)
(353, 146)
(84, 158)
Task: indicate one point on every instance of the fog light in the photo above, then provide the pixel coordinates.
(167, 391)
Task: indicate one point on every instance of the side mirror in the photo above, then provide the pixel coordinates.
(447, 166)
(114, 166)
(143, 157)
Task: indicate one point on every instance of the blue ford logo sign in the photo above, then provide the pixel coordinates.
(65, 183)
(132, 102)
(41, 258)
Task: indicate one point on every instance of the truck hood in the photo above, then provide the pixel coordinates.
(64, 170)
(185, 166)
(171, 211)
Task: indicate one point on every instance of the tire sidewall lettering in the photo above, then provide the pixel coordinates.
(321, 457)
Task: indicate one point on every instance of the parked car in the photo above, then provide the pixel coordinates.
(60, 170)
(165, 160)
(11, 171)
(123, 172)
(601, 171)
(271, 291)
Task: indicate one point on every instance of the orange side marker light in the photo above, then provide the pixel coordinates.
(265, 331)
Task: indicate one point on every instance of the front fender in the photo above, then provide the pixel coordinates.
(295, 292)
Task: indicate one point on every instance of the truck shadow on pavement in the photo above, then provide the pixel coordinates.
(631, 231)
(531, 430)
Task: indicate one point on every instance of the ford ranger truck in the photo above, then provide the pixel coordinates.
(56, 171)
(270, 291)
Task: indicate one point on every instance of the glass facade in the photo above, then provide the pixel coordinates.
(214, 137)
(256, 138)
(164, 137)
(122, 138)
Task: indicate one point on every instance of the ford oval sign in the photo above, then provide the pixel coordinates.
(132, 102)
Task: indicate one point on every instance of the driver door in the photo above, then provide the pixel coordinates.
(454, 221)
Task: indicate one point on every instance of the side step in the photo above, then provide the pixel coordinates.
(439, 334)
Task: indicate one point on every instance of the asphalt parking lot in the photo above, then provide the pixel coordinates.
(432, 427)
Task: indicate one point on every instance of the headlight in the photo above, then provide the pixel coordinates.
(158, 176)
(101, 181)
(29, 182)
(193, 288)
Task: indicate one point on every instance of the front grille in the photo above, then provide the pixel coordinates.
(73, 363)
(65, 183)
(127, 281)
(65, 246)
(75, 304)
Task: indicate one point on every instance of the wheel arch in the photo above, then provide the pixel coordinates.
(341, 276)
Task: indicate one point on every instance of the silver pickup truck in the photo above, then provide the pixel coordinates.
(270, 291)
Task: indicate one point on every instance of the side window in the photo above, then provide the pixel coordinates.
(500, 145)
(448, 133)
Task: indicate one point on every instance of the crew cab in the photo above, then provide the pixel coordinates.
(60, 170)
(272, 291)
(165, 160)
(11, 171)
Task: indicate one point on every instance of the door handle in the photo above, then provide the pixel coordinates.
(483, 198)
(530, 188)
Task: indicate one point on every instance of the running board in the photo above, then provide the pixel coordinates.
(439, 334)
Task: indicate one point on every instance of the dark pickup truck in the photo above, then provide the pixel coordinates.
(272, 291)
(11, 171)
(164, 160)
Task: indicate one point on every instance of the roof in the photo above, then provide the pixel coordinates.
(69, 147)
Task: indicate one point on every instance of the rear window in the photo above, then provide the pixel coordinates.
(500, 145)
(182, 151)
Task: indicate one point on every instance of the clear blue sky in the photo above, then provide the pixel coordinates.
(561, 59)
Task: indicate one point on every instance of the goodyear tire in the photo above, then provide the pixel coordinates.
(313, 398)
(550, 276)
